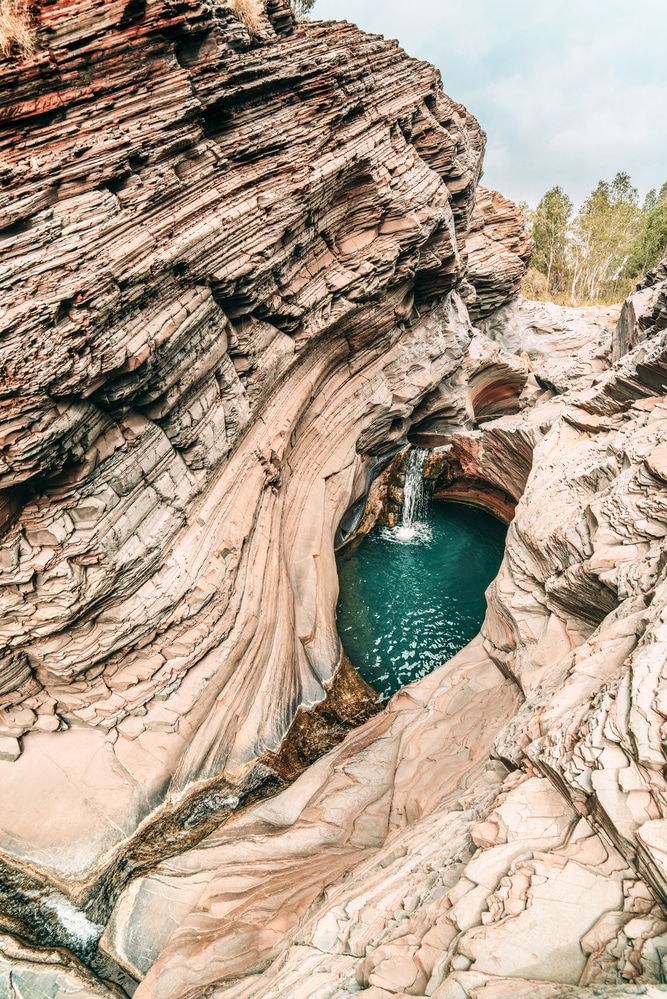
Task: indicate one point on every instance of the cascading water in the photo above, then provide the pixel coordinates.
(415, 500)
(413, 524)
(413, 595)
(407, 604)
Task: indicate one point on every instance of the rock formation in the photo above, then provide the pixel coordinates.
(644, 313)
(499, 829)
(235, 268)
(223, 254)
(498, 250)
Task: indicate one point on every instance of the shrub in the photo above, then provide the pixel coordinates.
(302, 8)
(535, 286)
(16, 30)
(250, 12)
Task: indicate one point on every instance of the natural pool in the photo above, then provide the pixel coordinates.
(411, 598)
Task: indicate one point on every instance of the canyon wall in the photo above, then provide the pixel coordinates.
(238, 269)
(230, 272)
(499, 829)
(223, 254)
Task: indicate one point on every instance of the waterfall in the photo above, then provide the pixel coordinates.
(413, 525)
(415, 500)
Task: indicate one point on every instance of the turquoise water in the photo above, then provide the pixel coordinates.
(410, 599)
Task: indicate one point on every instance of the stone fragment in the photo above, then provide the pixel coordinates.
(10, 748)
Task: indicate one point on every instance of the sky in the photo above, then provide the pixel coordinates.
(568, 91)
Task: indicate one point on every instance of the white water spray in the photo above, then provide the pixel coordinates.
(413, 524)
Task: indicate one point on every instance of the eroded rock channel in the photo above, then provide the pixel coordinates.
(242, 270)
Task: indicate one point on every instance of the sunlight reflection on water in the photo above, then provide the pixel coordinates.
(411, 597)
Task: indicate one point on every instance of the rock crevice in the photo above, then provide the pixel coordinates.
(239, 270)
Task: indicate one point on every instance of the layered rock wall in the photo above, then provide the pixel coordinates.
(436, 851)
(235, 269)
(215, 244)
(230, 273)
(498, 250)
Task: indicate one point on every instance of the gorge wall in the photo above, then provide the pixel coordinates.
(224, 254)
(238, 269)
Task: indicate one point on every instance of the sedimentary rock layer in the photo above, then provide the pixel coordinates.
(230, 273)
(498, 253)
(234, 274)
(498, 830)
(223, 256)
(644, 314)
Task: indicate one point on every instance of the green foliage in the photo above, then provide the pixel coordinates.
(650, 246)
(550, 226)
(604, 233)
(302, 8)
(597, 254)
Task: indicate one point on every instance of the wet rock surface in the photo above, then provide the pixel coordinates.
(235, 269)
(518, 787)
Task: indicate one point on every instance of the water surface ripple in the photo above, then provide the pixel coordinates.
(410, 599)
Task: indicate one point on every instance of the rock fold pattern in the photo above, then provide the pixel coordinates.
(238, 269)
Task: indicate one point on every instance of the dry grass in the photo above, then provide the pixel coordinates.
(17, 36)
(535, 287)
(250, 12)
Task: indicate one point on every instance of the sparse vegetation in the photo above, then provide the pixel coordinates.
(302, 8)
(250, 12)
(597, 254)
(17, 36)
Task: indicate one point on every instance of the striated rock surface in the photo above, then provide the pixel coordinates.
(499, 249)
(563, 346)
(229, 273)
(644, 314)
(223, 252)
(235, 268)
(497, 831)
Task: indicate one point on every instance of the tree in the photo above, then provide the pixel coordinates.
(651, 243)
(604, 233)
(650, 201)
(597, 255)
(302, 7)
(550, 224)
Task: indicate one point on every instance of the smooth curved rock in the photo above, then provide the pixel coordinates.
(234, 272)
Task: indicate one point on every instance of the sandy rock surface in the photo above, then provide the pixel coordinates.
(237, 269)
(498, 253)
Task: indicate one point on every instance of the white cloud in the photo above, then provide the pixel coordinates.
(567, 93)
